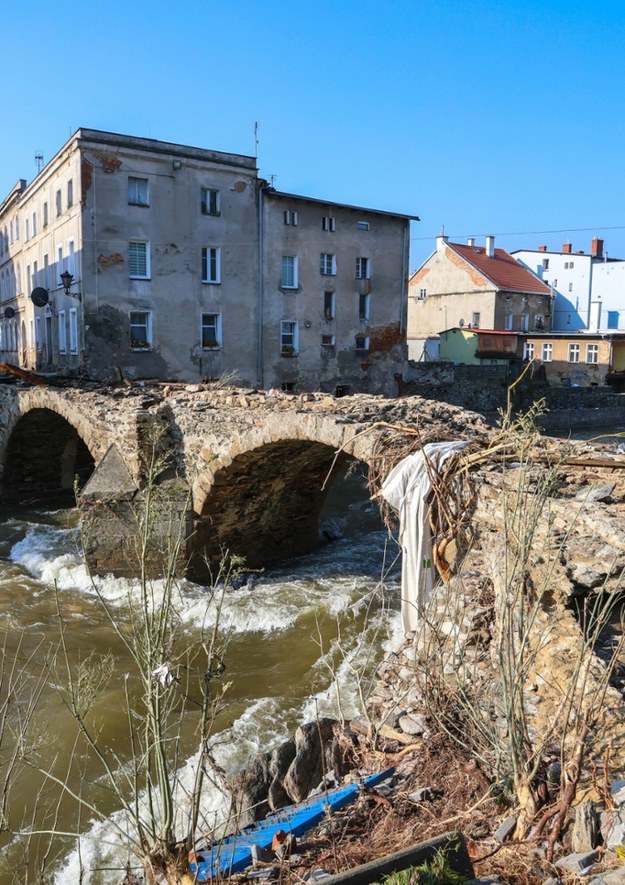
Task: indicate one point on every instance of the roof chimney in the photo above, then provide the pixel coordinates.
(567, 248)
(441, 239)
(542, 248)
(596, 247)
(471, 241)
(490, 247)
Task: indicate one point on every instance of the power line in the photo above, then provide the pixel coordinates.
(525, 233)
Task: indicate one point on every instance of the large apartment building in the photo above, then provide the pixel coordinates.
(166, 261)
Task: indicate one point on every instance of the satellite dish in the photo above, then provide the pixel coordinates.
(9, 312)
(460, 322)
(39, 296)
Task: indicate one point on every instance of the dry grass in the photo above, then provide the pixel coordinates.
(377, 825)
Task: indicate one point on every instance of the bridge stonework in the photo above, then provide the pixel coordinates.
(247, 470)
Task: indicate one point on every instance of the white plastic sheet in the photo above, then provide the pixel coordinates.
(406, 489)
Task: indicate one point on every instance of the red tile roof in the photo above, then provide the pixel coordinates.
(502, 269)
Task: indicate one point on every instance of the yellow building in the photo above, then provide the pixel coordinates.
(580, 359)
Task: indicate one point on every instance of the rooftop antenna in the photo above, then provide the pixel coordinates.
(39, 161)
(256, 140)
(272, 179)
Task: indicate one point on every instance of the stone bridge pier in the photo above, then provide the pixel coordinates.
(226, 472)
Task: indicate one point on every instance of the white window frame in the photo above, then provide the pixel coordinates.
(289, 336)
(592, 354)
(327, 264)
(507, 322)
(70, 193)
(34, 224)
(361, 343)
(546, 353)
(45, 214)
(215, 324)
(147, 325)
(289, 272)
(475, 319)
(210, 201)
(291, 217)
(138, 191)
(211, 265)
(135, 244)
(328, 223)
(528, 350)
(26, 230)
(363, 268)
(328, 341)
(525, 322)
(363, 225)
(58, 202)
(62, 331)
(573, 353)
(539, 321)
(73, 330)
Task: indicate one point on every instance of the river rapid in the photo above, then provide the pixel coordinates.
(301, 639)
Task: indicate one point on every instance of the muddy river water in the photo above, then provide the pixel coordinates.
(284, 659)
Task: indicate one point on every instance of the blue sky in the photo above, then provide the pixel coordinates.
(487, 117)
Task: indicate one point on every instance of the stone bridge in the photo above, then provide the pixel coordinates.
(242, 471)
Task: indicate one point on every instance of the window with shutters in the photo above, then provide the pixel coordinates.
(139, 260)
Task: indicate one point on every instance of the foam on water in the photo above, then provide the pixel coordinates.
(336, 580)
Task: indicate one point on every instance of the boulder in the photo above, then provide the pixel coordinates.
(309, 764)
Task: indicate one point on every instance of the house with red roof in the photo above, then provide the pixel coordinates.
(469, 286)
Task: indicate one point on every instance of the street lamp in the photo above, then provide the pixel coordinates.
(67, 280)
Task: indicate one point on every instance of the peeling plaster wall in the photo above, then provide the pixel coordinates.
(176, 231)
(323, 367)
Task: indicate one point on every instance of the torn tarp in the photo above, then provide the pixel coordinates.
(406, 489)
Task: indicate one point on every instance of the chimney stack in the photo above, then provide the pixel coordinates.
(567, 248)
(542, 248)
(441, 239)
(490, 247)
(596, 247)
(471, 241)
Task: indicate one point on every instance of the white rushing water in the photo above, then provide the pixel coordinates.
(301, 637)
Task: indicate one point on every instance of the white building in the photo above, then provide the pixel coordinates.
(182, 264)
(588, 288)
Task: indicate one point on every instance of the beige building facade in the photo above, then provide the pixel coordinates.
(180, 263)
(469, 286)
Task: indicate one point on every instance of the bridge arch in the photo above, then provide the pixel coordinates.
(263, 498)
(46, 443)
